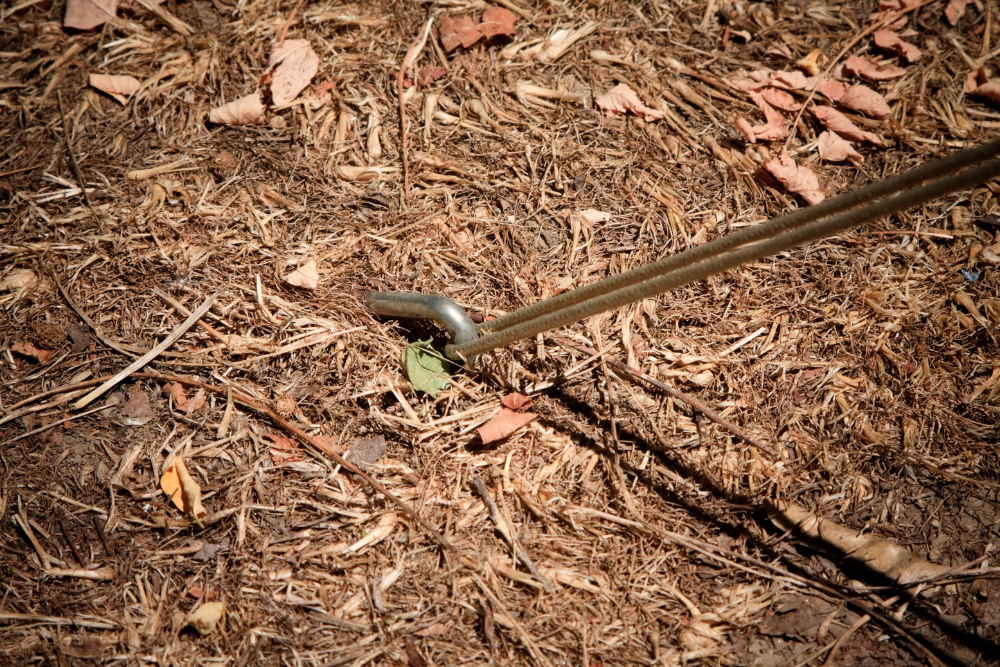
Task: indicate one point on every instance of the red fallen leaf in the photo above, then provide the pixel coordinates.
(458, 31)
(324, 87)
(328, 444)
(88, 14)
(797, 179)
(503, 424)
(842, 125)
(780, 99)
(32, 352)
(955, 10)
(775, 128)
(516, 401)
(833, 148)
(281, 442)
(869, 68)
(428, 75)
(177, 394)
(195, 591)
(832, 90)
(891, 41)
(621, 99)
(792, 81)
(283, 449)
(67, 423)
(497, 21)
(867, 101)
(292, 66)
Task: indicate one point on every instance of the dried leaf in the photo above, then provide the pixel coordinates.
(811, 63)
(88, 14)
(428, 75)
(869, 68)
(891, 41)
(115, 85)
(791, 81)
(196, 403)
(779, 99)
(745, 128)
(622, 99)
(305, 276)
(832, 90)
(842, 125)
(833, 148)
(865, 100)
(516, 401)
(425, 369)
(182, 490)
(177, 394)
(593, 216)
(247, 110)
(458, 31)
(284, 449)
(497, 21)
(775, 128)
(796, 178)
(207, 616)
(955, 10)
(503, 424)
(207, 552)
(17, 279)
(32, 352)
(137, 410)
(292, 66)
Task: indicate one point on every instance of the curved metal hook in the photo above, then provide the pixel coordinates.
(440, 309)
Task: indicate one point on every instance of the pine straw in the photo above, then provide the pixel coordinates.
(877, 388)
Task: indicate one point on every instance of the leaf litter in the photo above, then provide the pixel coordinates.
(876, 340)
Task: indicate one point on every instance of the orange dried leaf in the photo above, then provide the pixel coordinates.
(776, 126)
(833, 148)
(32, 352)
(779, 50)
(88, 14)
(177, 394)
(305, 276)
(842, 125)
(832, 90)
(955, 10)
(292, 66)
(621, 99)
(865, 100)
(796, 178)
(428, 75)
(247, 110)
(745, 128)
(497, 21)
(182, 490)
(458, 31)
(115, 85)
(516, 401)
(891, 41)
(869, 68)
(780, 99)
(503, 424)
(196, 403)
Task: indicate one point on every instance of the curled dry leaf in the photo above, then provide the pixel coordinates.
(458, 31)
(503, 424)
(88, 14)
(516, 401)
(779, 50)
(428, 75)
(811, 63)
(797, 179)
(176, 394)
(305, 276)
(115, 85)
(833, 148)
(867, 101)
(621, 99)
(206, 617)
(247, 110)
(891, 41)
(842, 125)
(779, 99)
(869, 68)
(497, 21)
(978, 83)
(28, 350)
(183, 491)
(955, 10)
(775, 128)
(292, 66)
(17, 279)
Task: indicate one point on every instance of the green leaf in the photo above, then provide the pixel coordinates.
(425, 368)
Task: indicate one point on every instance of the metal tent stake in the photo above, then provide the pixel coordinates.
(917, 186)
